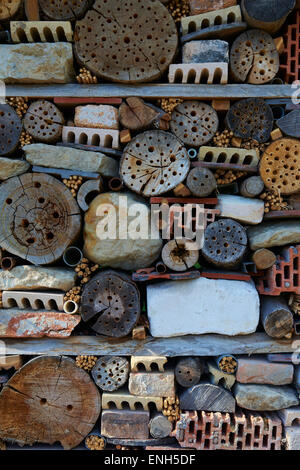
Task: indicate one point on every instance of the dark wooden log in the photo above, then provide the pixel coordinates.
(49, 399)
(276, 317)
(160, 426)
(111, 304)
(110, 372)
(9, 9)
(188, 371)
(268, 15)
(194, 123)
(135, 42)
(137, 115)
(225, 243)
(207, 397)
(153, 163)
(280, 165)
(251, 118)
(263, 258)
(66, 10)
(10, 129)
(201, 182)
(252, 186)
(40, 217)
(170, 276)
(32, 10)
(254, 58)
(44, 122)
(179, 255)
(290, 124)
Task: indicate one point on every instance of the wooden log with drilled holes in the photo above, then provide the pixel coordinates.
(153, 163)
(179, 255)
(49, 399)
(254, 58)
(44, 122)
(9, 9)
(111, 304)
(276, 317)
(201, 182)
(136, 41)
(251, 118)
(160, 426)
(110, 372)
(66, 10)
(225, 243)
(263, 258)
(137, 115)
(10, 130)
(188, 371)
(194, 123)
(268, 15)
(40, 217)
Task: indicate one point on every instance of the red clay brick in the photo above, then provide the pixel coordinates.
(261, 371)
(290, 59)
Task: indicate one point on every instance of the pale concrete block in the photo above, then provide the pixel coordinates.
(228, 155)
(97, 116)
(199, 73)
(34, 300)
(208, 19)
(148, 362)
(245, 210)
(41, 31)
(122, 399)
(95, 137)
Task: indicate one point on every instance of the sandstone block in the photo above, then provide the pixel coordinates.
(156, 384)
(245, 210)
(271, 234)
(264, 397)
(99, 117)
(36, 277)
(10, 167)
(260, 371)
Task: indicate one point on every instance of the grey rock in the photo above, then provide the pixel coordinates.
(35, 277)
(10, 167)
(199, 52)
(264, 397)
(271, 234)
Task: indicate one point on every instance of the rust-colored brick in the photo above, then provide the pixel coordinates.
(290, 59)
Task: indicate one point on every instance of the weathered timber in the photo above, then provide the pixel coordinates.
(44, 122)
(41, 217)
(263, 258)
(201, 182)
(160, 426)
(188, 371)
(110, 372)
(141, 52)
(10, 129)
(268, 15)
(217, 377)
(111, 304)
(32, 10)
(9, 8)
(45, 392)
(143, 276)
(276, 317)
(290, 124)
(136, 115)
(180, 255)
(68, 10)
(207, 397)
(252, 186)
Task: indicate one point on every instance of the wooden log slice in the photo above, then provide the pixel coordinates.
(110, 372)
(136, 115)
(160, 426)
(263, 258)
(126, 41)
(40, 217)
(280, 166)
(276, 317)
(153, 163)
(225, 243)
(9, 8)
(194, 123)
(252, 186)
(201, 182)
(44, 122)
(66, 10)
(254, 58)
(10, 129)
(111, 304)
(251, 118)
(49, 400)
(188, 371)
(178, 255)
(269, 15)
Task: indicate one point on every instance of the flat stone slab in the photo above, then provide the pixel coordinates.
(97, 117)
(264, 397)
(211, 50)
(35, 277)
(242, 209)
(10, 167)
(156, 384)
(260, 371)
(201, 306)
(271, 234)
(207, 397)
(37, 63)
(16, 323)
(71, 159)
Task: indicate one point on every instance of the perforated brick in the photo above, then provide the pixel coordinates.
(34, 300)
(87, 136)
(205, 20)
(214, 72)
(290, 59)
(41, 31)
(228, 156)
(122, 400)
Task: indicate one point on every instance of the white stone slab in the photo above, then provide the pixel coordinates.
(243, 209)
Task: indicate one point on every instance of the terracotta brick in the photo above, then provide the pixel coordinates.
(196, 22)
(261, 371)
(94, 137)
(41, 31)
(213, 72)
(290, 59)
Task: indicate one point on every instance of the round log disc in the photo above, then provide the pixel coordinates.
(254, 58)
(153, 163)
(266, 14)
(201, 182)
(64, 11)
(10, 129)
(126, 41)
(178, 255)
(251, 118)
(225, 243)
(110, 372)
(111, 304)
(280, 166)
(9, 8)
(44, 122)
(40, 217)
(49, 400)
(194, 123)
(188, 371)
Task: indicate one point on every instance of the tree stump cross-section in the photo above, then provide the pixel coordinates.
(110, 372)
(40, 217)
(49, 400)
(153, 163)
(111, 304)
(66, 10)
(126, 41)
(44, 122)
(10, 129)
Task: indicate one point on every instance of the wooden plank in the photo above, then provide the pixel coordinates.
(202, 345)
(153, 91)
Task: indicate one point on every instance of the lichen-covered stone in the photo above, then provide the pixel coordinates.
(10, 167)
(155, 384)
(35, 277)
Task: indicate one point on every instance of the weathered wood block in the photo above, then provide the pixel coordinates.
(123, 399)
(41, 31)
(207, 397)
(290, 416)
(97, 117)
(125, 424)
(95, 137)
(156, 384)
(202, 6)
(229, 155)
(199, 73)
(148, 363)
(34, 300)
(261, 371)
(190, 24)
(32, 10)
(221, 105)
(9, 362)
